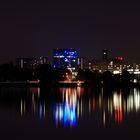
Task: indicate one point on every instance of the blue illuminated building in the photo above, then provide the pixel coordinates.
(65, 58)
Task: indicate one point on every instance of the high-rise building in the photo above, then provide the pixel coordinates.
(65, 58)
(80, 62)
(105, 55)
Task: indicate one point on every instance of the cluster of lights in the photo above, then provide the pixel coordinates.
(134, 71)
(117, 105)
(65, 58)
(67, 112)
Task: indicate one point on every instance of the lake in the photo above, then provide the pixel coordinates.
(69, 113)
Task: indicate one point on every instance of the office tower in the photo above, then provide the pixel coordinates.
(80, 62)
(65, 58)
(105, 55)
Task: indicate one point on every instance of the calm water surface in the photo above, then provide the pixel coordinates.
(69, 113)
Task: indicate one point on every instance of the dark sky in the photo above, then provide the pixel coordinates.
(34, 28)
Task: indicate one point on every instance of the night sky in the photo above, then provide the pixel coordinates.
(35, 28)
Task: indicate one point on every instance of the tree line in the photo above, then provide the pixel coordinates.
(47, 74)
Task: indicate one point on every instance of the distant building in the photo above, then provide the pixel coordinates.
(105, 55)
(115, 65)
(31, 62)
(119, 59)
(98, 65)
(65, 58)
(80, 62)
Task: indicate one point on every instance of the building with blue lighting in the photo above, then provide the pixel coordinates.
(65, 58)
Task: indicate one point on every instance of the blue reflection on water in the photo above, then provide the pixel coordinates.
(40, 113)
(65, 114)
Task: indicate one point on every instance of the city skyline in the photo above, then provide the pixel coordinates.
(105, 56)
(35, 28)
(69, 69)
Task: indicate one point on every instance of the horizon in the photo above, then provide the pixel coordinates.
(89, 58)
(35, 28)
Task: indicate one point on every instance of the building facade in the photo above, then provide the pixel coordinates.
(65, 58)
(105, 55)
(31, 62)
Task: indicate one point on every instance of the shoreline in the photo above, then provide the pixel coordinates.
(66, 84)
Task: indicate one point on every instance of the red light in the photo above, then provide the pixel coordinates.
(118, 115)
(119, 58)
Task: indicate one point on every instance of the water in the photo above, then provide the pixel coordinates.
(69, 113)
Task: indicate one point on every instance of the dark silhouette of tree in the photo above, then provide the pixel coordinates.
(44, 73)
(81, 75)
(116, 80)
(96, 79)
(90, 78)
(51, 76)
(6, 72)
(22, 74)
(125, 78)
(107, 78)
(59, 74)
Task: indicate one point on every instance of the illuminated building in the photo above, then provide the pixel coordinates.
(65, 58)
(97, 65)
(31, 62)
(22, 62)
(105, 55)
(80, 62)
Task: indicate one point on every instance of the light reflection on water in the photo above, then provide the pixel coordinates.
(69, 105)
(115, 104)
(67, 112)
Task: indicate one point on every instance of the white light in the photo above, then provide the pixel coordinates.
(137, 72)
(136, 69)
(130, 70)
(61, 56)
(135, 80)
(117, 101)
(116, 72)
(137, 101)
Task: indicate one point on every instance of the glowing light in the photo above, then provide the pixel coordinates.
(130, 70)
(117, 101)
(44, 110)
(21, 107)
(135, 80)
(65, 58)
(40, 111)
(136, 100)
(136, 72)
(116, 72)
(104, 119)
(89, 106)
(65, 114)
(130, 103)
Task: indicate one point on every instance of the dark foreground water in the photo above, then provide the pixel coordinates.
(69, 113)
